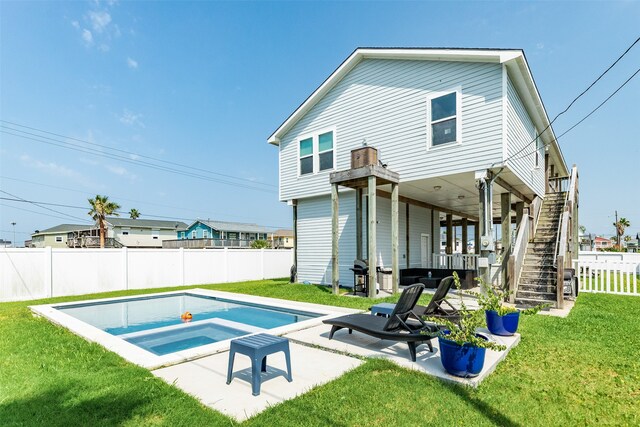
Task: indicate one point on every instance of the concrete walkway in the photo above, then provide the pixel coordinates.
(205, 379)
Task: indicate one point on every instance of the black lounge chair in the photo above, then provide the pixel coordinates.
(394, 328)
(435, 307)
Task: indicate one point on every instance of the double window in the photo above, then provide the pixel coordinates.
(316, 153)
(443, 118)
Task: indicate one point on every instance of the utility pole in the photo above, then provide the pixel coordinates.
(14, 234)
(617, 234)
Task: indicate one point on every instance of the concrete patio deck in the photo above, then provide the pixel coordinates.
(429, 363)
(205, 379)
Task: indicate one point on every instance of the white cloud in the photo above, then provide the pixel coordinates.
(75, 24)
(56, 169)
(87, 37)
(121, 171)
(131, 119)
(99, 20)
(104, 47)
(539, 45)
(132, 63)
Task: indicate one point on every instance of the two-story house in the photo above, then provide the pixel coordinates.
(458, 132)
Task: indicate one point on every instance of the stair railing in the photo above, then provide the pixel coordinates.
(516, 259)
(565, 236)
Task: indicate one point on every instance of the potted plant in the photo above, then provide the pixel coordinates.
(462, 349)
(501, 319)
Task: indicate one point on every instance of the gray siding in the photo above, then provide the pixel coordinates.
(314, 236)
(519, 134)
(384, 101)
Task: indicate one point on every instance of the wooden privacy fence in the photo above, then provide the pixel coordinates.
(610, 277)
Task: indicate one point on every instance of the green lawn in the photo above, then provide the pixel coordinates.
(584, 369)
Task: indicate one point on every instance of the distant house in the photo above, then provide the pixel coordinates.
(6, 243)
(143, 233)
(600, 243)
(60, 235)
(132, 233)
(282, 239)
(207, 233)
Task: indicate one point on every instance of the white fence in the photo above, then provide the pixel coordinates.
(609, 256)
(40, 273)
(608, 275)
(455, 261)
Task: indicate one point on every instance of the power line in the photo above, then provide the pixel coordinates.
(40, 206)
(512, 157)
(38, 212)
(585, 117)
(75, 147)
(137, 201)
(84, 208)
(190, 167)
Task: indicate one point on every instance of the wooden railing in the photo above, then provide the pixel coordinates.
(455, 261)
(568, 227)
(516, 258)
(93, 242)
(559, 184)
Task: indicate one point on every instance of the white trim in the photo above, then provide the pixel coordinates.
(315, 153)
(513, 59)
(505, 111)
(59, 237)
(429, 122)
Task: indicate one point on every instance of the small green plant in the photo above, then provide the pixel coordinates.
(260, 244)
(492, 299)
(464, 331)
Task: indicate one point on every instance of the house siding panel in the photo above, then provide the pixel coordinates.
(520, 133)
(385, 103)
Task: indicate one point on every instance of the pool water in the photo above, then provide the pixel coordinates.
(155, 323)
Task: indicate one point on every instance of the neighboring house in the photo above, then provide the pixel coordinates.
(207, 233)
(143, 233)
(6, 244)
(282, 239)
(442, 120)
(59, 236)
(600, 243)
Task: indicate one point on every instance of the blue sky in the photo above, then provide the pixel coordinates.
(205, 84)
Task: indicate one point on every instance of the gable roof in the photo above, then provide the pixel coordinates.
(232, 226)
(283, 233)
(146, 223)
(64, 228)
(514, 59)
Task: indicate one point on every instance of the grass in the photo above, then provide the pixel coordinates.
(580, 370)
(616, 282)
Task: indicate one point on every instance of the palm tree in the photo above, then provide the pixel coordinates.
(620, 227)
(100, 208)
(134, 214)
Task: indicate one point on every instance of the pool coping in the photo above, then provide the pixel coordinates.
(148, 360)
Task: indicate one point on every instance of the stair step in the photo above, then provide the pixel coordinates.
(529, 302)
(537, 288)
(548, 296)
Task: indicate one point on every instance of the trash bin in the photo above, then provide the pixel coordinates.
(384, 279)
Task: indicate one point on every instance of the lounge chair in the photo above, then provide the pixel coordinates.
(435, 307)
(394, 328)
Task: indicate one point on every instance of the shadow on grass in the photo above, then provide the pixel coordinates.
(489, 412)
(58, 406)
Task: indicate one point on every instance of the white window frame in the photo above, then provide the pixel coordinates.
(194, 234)
(315, 136)
(312, 155)
(538, 153)
(205, 234)
(155, 234)
(458, 91)
(61, 239)
(125, 231)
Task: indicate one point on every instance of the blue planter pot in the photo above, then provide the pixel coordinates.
(502, 325)
(461, 360)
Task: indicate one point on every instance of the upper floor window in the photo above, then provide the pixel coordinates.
(317, 153)
(443, 115)
(325, 151)
(205, 234)
(193, 234)
(539, 151)
(306, 156)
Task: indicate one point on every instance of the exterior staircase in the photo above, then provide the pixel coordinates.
(538, 278)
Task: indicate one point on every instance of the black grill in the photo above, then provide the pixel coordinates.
(360, 269)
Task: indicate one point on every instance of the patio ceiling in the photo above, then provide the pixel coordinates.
(458, 192)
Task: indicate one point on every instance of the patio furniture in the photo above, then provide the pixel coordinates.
(435, 307)
(430, 282)
(258, 347)
(409, 276)
(383, 309)
(395, 328)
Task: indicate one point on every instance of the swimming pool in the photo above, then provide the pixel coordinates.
(158, 323)
(149, 330)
